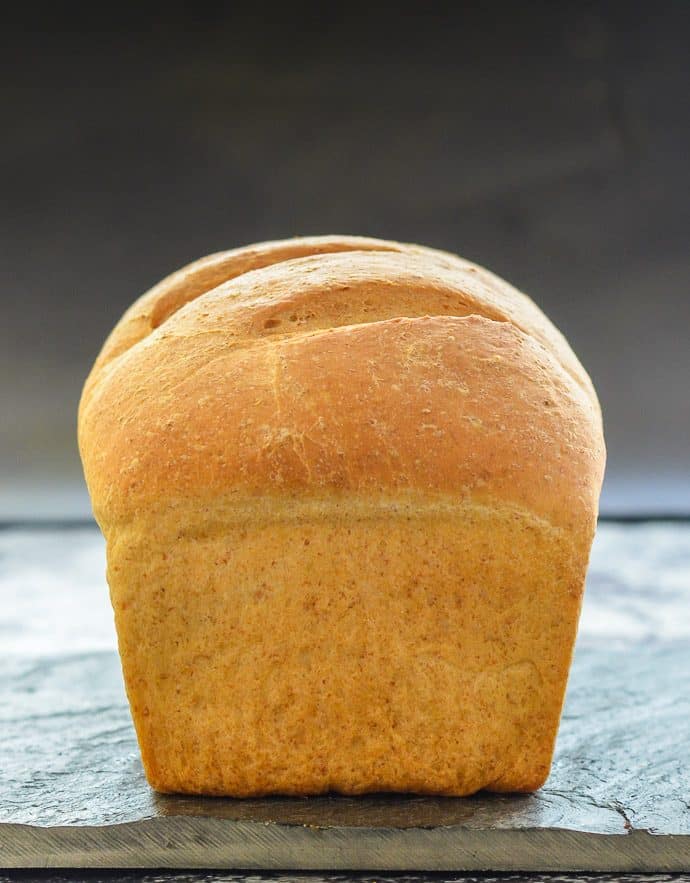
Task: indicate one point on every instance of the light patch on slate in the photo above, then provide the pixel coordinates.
(54, 593)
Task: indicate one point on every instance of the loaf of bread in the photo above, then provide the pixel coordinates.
(349, 489)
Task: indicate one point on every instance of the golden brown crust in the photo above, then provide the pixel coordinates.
(441, 405)
(296, 349)
(331, 392)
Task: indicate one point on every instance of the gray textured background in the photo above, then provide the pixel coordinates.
(547, 141)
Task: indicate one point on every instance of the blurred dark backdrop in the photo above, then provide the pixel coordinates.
(548, 141)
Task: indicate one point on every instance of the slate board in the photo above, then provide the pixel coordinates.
(72, 792)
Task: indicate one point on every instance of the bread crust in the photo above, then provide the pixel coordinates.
(338, 395)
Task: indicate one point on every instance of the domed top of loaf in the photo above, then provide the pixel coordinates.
(332, 368)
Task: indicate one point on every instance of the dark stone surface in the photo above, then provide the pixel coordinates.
(618, 797)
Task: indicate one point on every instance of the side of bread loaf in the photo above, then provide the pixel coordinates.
(349, 489)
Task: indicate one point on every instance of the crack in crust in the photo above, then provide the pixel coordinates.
(292, 287)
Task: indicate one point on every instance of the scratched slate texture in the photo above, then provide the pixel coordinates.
(72, 791)
(228, 877)
(114, 876)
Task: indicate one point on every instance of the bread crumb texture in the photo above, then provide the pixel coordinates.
(349, 489)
